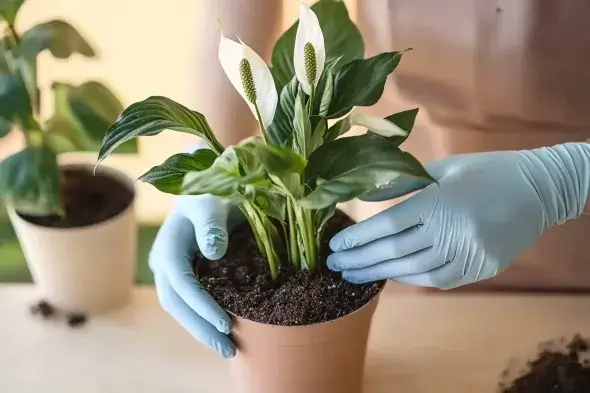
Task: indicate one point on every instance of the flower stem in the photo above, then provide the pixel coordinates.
(262, 129)
(292, 240)
(311, 98)
(306, 230)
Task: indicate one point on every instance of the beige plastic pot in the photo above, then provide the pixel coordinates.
(326, 357)
(84, 269)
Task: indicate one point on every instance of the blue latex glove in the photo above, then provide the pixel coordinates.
(196, 223)
(487, 209)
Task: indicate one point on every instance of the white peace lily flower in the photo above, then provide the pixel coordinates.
(310, 53)
(251, 77)
(377, 125)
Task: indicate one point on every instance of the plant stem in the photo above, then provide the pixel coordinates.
(311, 97)
(304, 224)
(262, 129)
(292, 240)
(13, 34)
(264, 241)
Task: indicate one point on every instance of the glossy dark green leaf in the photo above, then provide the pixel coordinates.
(14, 100)
(341, 38)
(404, 120)
(318, 135)
(29, 181)
(9, 10)
(223, 178)
(345, 168)
(5, 127)
(361, 82)
(280, 131)
(152, 116)
(339, 128)
(168, 176)
(325, 89)
(57, 36)
(302, 129)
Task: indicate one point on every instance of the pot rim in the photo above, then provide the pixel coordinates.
(117, 175)
(325, 323)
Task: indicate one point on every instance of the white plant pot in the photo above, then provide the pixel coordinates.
(86, 269)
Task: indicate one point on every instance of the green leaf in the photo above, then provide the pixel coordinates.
(341, 127)
(29, 181)
(272, 204)
(345, 168)
(326, 95)
(168, 176)
(58, 36)
(404, 120)
(321, 218)
(319, 133)
(151, 117)
(222, 178)
(361, 82)
(82, 114)
(14, 100)
(280, 131)
(341, 38)
(9, 10)
(5, 127)
(4, 68)
(280, 161)
(302, 127)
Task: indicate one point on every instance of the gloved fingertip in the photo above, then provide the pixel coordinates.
(337, 243)
(331, 262)
(223, 326)
(214, 244)
(225, 349)
(353, 278)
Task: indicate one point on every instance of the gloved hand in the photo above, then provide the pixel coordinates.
(486, 209)
(196, 223)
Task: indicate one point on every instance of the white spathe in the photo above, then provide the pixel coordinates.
(377, 125)
(308, 31)
(231, 54)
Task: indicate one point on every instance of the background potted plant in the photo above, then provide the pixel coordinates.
(77, 231)
(298, 326)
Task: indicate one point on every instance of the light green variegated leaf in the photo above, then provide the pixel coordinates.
(345, 168)
(361, 82)
(342, 39)
(280, 132)
(152, 116)
(272, 204)
(82, 114)
(29, 181)
(222, 178)
(58, 36)
(168, 176)
(9, 10)
(404, 120)
(302, 129)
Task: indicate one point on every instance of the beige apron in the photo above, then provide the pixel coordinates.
(493, 75)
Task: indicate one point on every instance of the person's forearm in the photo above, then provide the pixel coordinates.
(561, 176)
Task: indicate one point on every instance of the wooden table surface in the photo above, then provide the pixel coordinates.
(420, 343)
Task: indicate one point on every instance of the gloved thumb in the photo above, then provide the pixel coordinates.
(209, 217)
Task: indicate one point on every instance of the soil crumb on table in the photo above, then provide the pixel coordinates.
(88, 199)
(240, 282)
(561, 366)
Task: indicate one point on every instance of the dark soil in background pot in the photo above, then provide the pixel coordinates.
(561, 366)
(88, 198)
(240, 282)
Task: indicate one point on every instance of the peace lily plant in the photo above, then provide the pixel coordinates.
(288, 181)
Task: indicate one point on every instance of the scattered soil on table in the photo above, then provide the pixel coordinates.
(561, 366)
(88, 199)
(48, 311)
(241, 283)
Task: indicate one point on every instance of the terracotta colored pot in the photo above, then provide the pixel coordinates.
(84, 269)
(326, 357)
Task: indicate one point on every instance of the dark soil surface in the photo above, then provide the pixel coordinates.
(88, 199)
(560, 367)
(240, 282)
